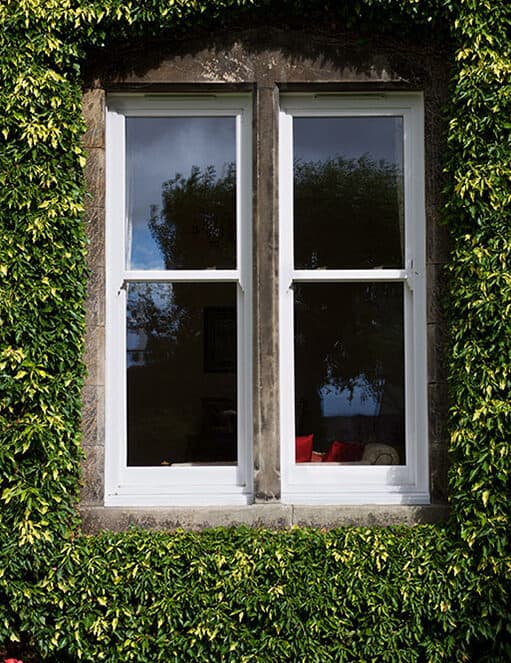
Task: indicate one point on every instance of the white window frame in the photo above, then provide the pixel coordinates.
(176, 484)
(332, 483)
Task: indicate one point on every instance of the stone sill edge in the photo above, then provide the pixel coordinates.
(270, 515)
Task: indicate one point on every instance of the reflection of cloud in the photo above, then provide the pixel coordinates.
(323, 138)
(156, 149)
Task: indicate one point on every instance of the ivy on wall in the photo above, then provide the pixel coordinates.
(399, 594)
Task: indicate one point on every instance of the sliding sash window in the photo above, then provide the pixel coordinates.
(352, 291)
(178, 358)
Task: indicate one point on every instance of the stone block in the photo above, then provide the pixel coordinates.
(94, 355)
(439, 469)
(92, 489)
(265, 312)
(274, 516)
(95, 230)
(437, 237)
(95, 303)
(93, 109)
(93, 415)
(437, 367)
(366, 516)
(436, 279)
(95, 175)
(438, 410)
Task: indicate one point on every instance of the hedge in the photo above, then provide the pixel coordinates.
(425, 593)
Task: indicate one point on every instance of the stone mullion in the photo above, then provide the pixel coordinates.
(265, 311)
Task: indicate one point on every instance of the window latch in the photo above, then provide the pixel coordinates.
(123, 286)
(411, 275)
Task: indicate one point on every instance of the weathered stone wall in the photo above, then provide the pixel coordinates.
(265, 61)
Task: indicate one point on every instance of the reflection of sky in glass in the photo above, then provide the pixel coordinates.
(361, 400)
(157, 148)
(348, 192)
(349, 137)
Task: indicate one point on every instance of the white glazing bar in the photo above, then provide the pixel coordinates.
(183, 275)
(349, 275)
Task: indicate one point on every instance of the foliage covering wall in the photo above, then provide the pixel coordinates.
(399, 594)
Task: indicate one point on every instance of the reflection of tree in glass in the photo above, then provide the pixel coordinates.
(347, 336)
(197, 225)
(196, 228)
(153, 313)
(348, 213)
(350, 330)
(167, 385)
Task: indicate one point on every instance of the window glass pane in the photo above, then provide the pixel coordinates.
(181, 373)
(181, 192)
(348, 192)
(349, 372)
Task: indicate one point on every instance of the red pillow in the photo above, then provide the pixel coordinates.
(343, 452)
(303, 448)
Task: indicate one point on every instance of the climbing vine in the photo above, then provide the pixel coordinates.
(436, 593)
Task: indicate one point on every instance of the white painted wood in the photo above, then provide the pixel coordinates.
(336, 483)
(244, 297)
(286, 300)
(179, 105)
(301, 483)
(183, 275)
(173, 485)
(115, 330)
(349, 275)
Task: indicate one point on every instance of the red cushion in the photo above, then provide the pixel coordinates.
(303, 448)
(343, 452)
